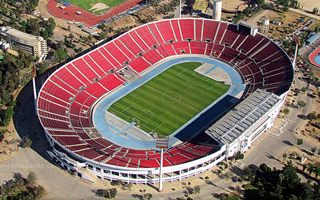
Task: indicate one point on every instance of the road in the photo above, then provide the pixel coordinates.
(302, 12)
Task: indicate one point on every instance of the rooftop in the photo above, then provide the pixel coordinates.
(20, 34)
(313, 38)
(243, 116)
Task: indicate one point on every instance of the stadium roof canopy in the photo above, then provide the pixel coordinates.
(312, 39)
(243, 116)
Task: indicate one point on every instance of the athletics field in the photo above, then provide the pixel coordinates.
(169, 100)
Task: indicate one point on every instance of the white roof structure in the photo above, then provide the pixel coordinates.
(237, 121)
(22, 35)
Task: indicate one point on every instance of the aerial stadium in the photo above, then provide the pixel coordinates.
(164, 101)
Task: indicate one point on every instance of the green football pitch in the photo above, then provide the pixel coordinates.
(87, 4)
(169, 100)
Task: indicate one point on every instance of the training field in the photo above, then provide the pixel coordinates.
(87, 4)
(169, 100)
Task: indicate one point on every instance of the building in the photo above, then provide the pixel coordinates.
(314, 37)
(68, 101)
(35, 45)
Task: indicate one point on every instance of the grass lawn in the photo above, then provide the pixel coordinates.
(87, 4)
(169, 100)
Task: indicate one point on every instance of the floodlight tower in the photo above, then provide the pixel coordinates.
(217, 9)
(34, 87)
(296, 39)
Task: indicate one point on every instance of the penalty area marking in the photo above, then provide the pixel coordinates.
(190, 82)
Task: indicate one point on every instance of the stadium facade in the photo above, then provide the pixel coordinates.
(66, 100)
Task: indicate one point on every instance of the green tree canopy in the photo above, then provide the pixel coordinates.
(281, 184)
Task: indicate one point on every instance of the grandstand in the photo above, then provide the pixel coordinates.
(69, 98)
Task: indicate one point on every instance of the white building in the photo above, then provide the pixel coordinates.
(34, 45)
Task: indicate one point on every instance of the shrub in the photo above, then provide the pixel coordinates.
(107, 193)
(26, 142)
(299, 141)
(31, 178)
(286, 111)
(6, 116)
(1, 136)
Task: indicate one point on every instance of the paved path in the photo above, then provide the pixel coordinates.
(58, 183)
(302, 12)
(270, 148)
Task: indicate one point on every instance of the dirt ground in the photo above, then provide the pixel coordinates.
(289, 23)
(9, 146)
(170, 187)
(60, 31)
(266, 13)
(309, 4)
(99, 6)
(234, 5)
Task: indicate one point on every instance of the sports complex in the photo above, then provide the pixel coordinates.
(164, 101)
(80, 11)
(314, 57)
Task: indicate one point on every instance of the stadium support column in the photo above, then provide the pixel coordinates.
(180, 8)
(160, 173)
(34, 88)
(295, 56)
(217, 9)
(296, 39)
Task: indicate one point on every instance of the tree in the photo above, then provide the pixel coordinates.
(317, 171)
(312, 116)
(26, 142)
(299, 142)
(39, 192)
(284, 156)
(107, 193)
(310, 168)
(302, 104)
(232, 197)
(279, 184)
(239, 156)
(197, 189)
(304, 167)
(1, 136)
(315, 11)
(31, 178)
(6, 115)
(286, 111)
(313, 150)
(42, 67)
(147, 196)
(304, 89)
(19, 188)
(248, 173)
(60, 55)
